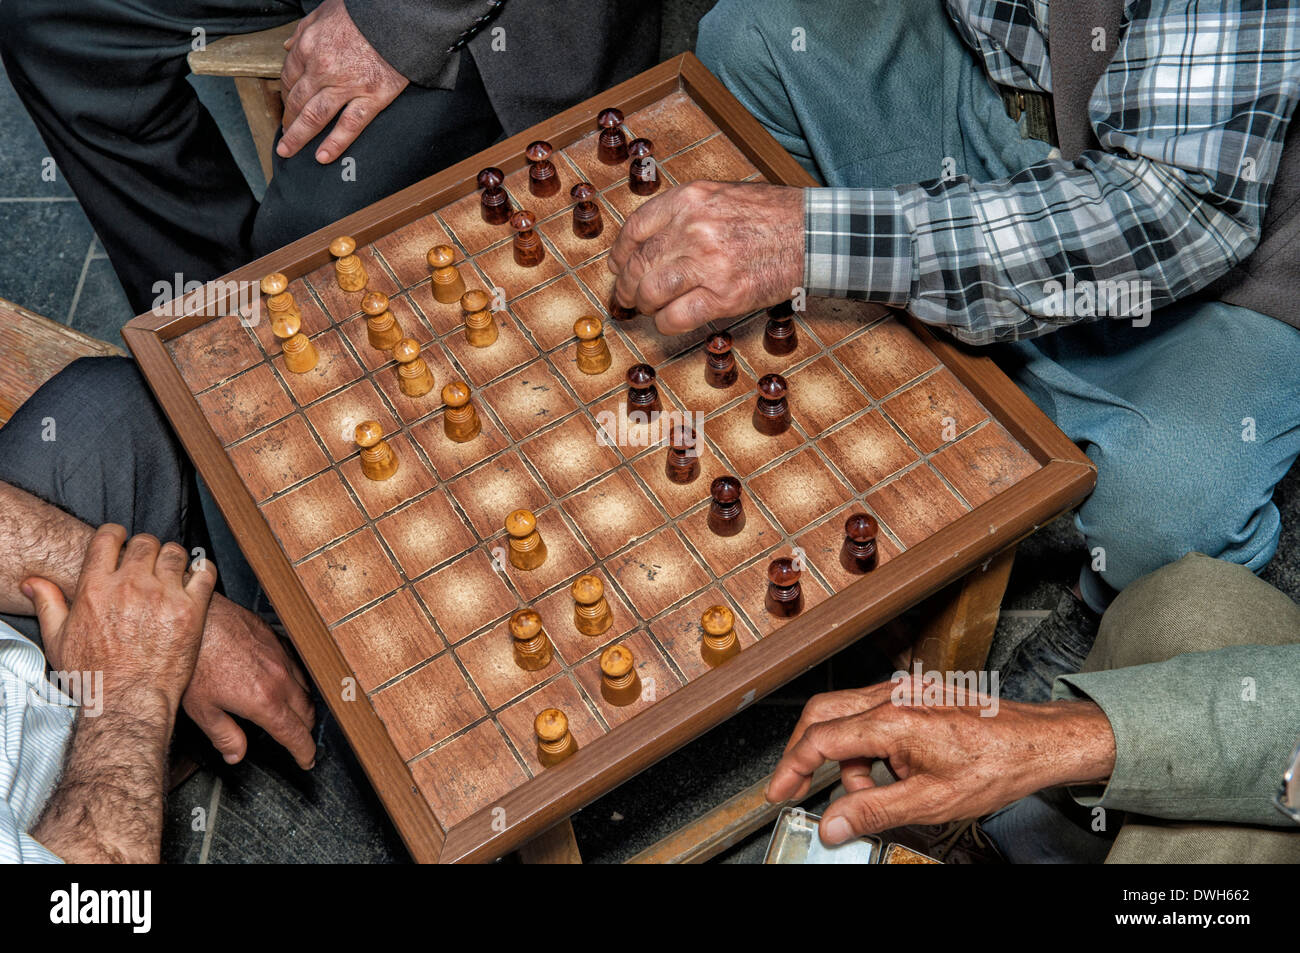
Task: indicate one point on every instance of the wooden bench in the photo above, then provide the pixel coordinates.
(33, 349)
(254, 61)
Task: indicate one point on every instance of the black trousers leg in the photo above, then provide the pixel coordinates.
(105, 82)
(422, 132)
(92, 442)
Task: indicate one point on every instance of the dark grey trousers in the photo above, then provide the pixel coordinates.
(114, 459)
(106, 83)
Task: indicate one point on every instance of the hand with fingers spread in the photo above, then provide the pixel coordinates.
(951, 761)
(136, 617)
(710, 250)
(332, 67)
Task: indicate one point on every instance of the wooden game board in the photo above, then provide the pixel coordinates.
(391, 586)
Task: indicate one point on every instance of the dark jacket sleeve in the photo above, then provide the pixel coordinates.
(414, 35)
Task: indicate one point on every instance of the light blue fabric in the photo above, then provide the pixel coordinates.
(37, 722)
(885, 94)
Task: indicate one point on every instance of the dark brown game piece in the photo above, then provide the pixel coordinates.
(683, 462)
(642, 171)
(543, 180)
(529, 250)
(858, 554)
(587, 222)
(780, 336)
(611, 148)
(642, 394)
(720, 365)
(772, 412)
(618, 312)
(726, 515)
(493, 203)
(784, 594)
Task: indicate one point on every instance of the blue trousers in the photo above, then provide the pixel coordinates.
(1192, 421)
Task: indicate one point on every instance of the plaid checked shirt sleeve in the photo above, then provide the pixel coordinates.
(1191, 115)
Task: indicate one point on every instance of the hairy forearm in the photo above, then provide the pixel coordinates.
(37, 539)
(1074, 744)
(108, 806)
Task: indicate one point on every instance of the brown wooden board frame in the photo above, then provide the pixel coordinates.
(1065, 477)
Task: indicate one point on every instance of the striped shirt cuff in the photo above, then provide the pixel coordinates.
(857, 245)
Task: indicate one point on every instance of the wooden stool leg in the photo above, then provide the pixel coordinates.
(556, 846)
(263, 109)
(957, 624)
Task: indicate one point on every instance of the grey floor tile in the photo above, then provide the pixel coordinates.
(683, 786)
(45, 250)
(101, 307)
(22, 152)
(185, 823)
(272, 812)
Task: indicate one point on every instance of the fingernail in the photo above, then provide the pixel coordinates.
(836, 831)
(28, 591)
(232, 759)
(323, 157)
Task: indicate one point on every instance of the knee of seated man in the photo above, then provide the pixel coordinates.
(97, 404)
(1146, 513)
(1196, 604)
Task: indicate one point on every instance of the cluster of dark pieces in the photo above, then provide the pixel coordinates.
(612, 148)
(771, 417)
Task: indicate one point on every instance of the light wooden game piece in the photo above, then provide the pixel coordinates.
(299, 353)
(591, 615)
(543, 180)
(448, 285)
(529, 250)
(480, 323)
(348, 268)
(494, 204)
(611, 147)
(784, 594)
(279, 300)
(413, 374)
(719, 642)
(527, 550)
(382, 330)
(460, 422)
(587, 221)
(593, 349)
(555, 741)
(378, 461)
(619, 682)
(532, 644)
